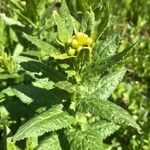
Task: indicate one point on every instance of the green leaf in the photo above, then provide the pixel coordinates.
(31, 143)
(107, 110)
(82, 5)
(23, 97)
(104, 55)
(61, 27)
(103, 87)
(3, 112)
(105, 128)
(51, 120)
(11, 145)
(87, 21)
(46, 48)
(65, 14)
(108, 84)
(65, 85)
(50, 143)
(44, 83)
(111, 61)
(47, 13)
(64, 23)
(84, 140)
(99, 68)
(10, 21)
(42, 70)
(100, 22)
(106, 48)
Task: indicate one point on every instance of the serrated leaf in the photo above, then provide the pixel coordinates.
(108, 84)
(105, 128)
(101, 21)
(46, 48)
(103, 87)
(61, 27)
(106, 48)
(64, 24)
(87, 22)
(111, 61)
(65, 14)
(50, 143)
(51, 120)
(84, 140)
(107, 110)
(99, 68)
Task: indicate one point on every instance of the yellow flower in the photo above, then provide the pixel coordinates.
(75, 43)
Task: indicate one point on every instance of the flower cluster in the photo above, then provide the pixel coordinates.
(79, 41)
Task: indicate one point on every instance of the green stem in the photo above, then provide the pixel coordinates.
(5, 138)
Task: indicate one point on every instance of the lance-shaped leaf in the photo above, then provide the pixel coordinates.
(106, 48)
(64, 23)
(101, 21)
(51, 120)
(103, 87)
(107, 110)
(50, 143)
(100, 67)
(46, 48)
(108, 84)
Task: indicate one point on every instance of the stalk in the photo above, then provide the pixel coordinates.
(5, 138)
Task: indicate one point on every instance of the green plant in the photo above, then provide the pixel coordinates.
(64, 85)
(132, 93)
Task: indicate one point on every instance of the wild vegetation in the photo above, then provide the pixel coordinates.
(74, 75)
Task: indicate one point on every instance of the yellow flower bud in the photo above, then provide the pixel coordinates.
(71, 52)
(75, 43)
(82, 38)
(89, 41)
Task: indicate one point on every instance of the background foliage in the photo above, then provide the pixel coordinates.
(34, 18)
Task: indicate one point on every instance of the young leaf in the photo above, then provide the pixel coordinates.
(51, 120)
(51, 143)
(107, 110)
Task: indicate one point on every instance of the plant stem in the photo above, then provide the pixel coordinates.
(5, 138)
